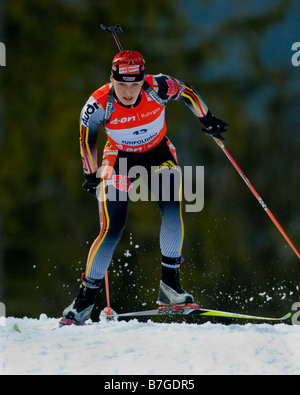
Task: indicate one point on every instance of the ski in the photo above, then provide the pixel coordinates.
(16, 328)
(52, 326)
(174, 311)
(195, 310)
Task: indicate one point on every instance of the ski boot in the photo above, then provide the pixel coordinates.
(81, 308)
(171, 292)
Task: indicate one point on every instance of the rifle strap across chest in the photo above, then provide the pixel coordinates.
(111, 97)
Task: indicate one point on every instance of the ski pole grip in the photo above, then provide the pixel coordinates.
(112, 29)
(104, 27)
(218, 141)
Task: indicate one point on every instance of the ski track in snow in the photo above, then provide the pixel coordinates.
(134, 348)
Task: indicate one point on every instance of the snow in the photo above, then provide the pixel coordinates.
(148, 348)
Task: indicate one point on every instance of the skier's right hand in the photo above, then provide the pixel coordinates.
(91, 183)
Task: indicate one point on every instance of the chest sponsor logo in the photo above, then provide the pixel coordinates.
(134, 118)
(149, 113)
(140, 141)
(116, 121)
(89, 110)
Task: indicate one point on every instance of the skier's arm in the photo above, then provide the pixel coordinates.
(172, 89)
(91, 118)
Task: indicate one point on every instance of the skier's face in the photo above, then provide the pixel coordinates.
(127, 92)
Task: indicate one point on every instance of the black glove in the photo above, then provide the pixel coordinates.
(91, 183)
(213, 126)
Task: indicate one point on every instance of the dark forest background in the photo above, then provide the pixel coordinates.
(238, 56)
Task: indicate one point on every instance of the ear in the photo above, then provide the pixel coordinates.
(111, 79)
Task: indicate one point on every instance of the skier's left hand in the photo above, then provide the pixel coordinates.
(91, 183)
(213, 126)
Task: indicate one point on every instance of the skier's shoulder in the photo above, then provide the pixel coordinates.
(154, 80)
(92, 112)
(167, 87)
(101, 94)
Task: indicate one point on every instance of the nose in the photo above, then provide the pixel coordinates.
(129, 91)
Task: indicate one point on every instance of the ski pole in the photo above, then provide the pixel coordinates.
(224, 149)
(114, 31)
(107, 310)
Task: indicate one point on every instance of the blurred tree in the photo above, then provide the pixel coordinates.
(2, 39)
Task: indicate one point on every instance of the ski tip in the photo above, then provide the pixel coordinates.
(285, 317)
(16, 328)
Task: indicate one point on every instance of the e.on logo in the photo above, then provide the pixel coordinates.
(2, 55)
